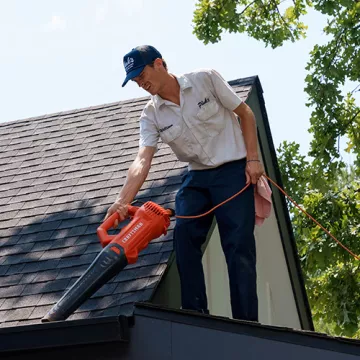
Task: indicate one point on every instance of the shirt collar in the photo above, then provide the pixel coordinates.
(184, 83)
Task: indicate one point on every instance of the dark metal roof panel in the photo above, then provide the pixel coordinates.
(64, 334)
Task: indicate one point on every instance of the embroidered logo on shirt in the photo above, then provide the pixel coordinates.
(201, 103)
(165, 128)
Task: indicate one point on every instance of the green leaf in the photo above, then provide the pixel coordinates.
(327, 187)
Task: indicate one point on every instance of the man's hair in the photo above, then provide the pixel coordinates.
(164, 64)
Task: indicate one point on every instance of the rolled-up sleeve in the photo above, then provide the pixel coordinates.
(149, 134)
(224, 92)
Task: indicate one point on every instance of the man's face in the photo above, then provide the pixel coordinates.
(149, 79)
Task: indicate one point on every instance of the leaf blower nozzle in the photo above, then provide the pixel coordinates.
(148, 222)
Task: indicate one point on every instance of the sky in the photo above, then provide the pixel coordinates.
(64, 55)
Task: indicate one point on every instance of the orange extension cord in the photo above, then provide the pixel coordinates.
(273, 182)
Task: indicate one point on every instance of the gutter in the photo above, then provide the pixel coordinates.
(64, 333)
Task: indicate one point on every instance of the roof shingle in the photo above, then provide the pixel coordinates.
(58, 175)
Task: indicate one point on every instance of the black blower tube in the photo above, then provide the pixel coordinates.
(105, 266)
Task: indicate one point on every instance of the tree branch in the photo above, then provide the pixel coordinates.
(354, 134)
(352, 119)
(355, 90)
(247, 7)
(283, 20)
(336, 47)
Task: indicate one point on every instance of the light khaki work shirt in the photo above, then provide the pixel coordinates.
(203, 131)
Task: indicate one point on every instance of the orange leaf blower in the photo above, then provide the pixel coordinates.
(148, 222)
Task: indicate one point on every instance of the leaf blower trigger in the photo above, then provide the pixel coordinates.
(148, 222)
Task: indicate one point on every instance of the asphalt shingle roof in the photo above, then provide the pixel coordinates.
(59, 173)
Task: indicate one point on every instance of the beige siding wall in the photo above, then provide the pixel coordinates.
(276, 298)
(216, 277)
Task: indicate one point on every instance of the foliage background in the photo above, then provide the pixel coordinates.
(321, 182)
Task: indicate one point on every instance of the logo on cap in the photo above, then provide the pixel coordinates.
(128, 63)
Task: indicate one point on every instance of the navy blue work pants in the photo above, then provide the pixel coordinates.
(199, 192)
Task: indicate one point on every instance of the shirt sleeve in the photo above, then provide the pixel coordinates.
(149, 134)
(224, 92)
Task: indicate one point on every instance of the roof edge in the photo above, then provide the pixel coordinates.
(250, 80)
(240, 82)
(305, 316)
(73, 111)
(64, 333)
(250, 328)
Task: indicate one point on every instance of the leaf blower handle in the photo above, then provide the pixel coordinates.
(102, 230)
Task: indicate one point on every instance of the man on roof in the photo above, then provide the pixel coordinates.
(196, 114)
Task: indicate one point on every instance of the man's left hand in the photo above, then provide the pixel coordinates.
(254, 169)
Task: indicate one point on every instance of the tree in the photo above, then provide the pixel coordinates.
(331, 274)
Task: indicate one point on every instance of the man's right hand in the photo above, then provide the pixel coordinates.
(122, 210)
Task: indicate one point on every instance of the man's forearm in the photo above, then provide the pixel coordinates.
(135, 178)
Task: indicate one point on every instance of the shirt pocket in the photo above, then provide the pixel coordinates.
(210, 118)
(170, 133)
(178, 142)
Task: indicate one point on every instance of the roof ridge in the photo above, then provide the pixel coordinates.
(250, 80)
(72, 111)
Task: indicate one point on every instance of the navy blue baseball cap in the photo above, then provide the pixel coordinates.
(137, 59)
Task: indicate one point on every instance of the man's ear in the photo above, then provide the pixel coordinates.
(158, 63)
